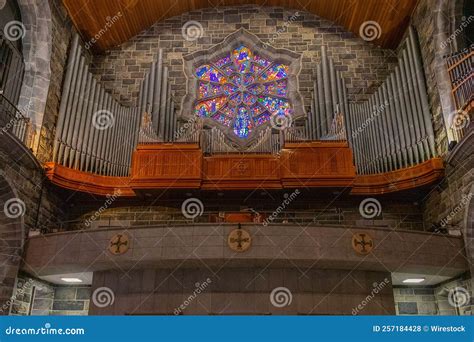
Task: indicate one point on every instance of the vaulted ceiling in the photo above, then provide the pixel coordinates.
(91, 16)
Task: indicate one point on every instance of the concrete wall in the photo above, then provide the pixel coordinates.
(242, 291)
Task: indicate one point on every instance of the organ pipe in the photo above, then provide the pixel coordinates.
(329, 98)
(392, 129)
(95, 133)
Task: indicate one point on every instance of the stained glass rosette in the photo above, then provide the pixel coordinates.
(242, 90)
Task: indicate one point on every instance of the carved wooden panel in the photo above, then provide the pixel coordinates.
(317, 164)
(241, 171)
(166, 165)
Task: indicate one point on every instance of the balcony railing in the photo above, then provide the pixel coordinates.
(12, 69)
(328, 218)
(13, 121)
(460, 67)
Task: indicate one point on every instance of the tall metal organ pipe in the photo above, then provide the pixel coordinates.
(95, 133)
(392, 129)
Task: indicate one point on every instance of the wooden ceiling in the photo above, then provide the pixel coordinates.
(90, 16)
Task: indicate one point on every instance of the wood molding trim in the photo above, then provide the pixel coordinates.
(88, 182)
(409, 178)
(183, 166)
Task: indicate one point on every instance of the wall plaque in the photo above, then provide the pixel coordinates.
(362, 243)
(119, 244)
(239, 240)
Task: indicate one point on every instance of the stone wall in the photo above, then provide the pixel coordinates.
(43, 204)
(342, 210)
(61, 35)
(363, 65)
(431, 300)
(40, 298)
(445, 206)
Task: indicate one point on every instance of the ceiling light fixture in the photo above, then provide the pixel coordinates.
(71, 280)
(414, 280)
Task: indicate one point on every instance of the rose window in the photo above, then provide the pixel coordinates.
(242, 90)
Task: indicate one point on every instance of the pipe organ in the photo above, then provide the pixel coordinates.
(390, 131)
(393, 130)
(95, 133)
(329, 98)
(155, 97)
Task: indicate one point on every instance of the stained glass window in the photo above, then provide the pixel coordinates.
(242, 90)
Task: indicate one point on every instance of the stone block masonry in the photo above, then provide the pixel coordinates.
(363, 65)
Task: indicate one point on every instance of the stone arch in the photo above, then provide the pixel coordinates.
(445, 42)
(36, 18)
(12, 237)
